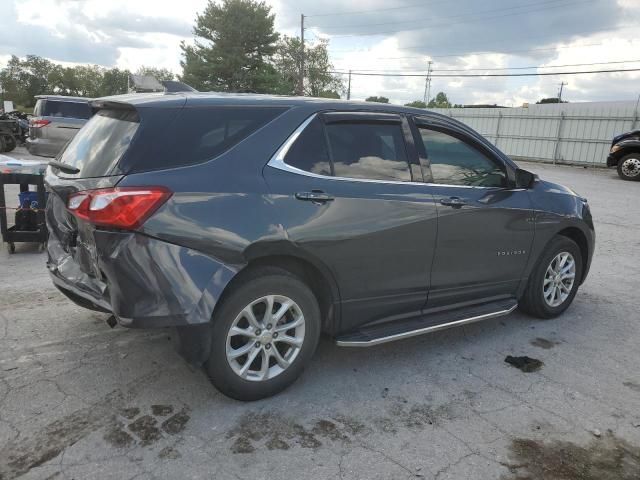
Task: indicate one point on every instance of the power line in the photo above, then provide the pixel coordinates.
(537, 74)
(448, 24)
(421, 46)
(353, 12)
(449, 17)
(515, 68)
(529, 68)
(463, 54)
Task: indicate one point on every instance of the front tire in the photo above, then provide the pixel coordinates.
(264, 334)
(554, 282)
(629, 167)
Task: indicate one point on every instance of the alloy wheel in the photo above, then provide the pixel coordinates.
(559, 279)
(631, 167)
(265, 338)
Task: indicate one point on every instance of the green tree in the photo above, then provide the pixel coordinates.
(233, 44)
(416, 104)
(377, 99)
(441, 101)
(551, 100)
(159, 74)
(10, 80)
(329, 94)
(114, 82)
(318, 79)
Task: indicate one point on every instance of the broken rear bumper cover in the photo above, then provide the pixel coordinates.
(145, 282)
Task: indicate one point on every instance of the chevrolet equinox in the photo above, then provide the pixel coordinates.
(252, 224)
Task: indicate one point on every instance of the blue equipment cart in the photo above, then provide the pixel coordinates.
(30, 223)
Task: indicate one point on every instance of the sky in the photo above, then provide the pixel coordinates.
(370, 36)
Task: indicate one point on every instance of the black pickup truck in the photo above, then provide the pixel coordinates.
(625, 155)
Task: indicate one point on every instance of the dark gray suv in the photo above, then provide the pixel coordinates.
(252, 224)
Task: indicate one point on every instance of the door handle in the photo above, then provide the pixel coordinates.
(455, 202)
(314, 196)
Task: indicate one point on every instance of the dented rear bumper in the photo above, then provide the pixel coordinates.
(145, 282)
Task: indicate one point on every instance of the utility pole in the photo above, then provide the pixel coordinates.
(562, 84)
(301, 79)
(427, 84)
(349, 87)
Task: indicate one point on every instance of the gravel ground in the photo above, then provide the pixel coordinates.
(79, 400)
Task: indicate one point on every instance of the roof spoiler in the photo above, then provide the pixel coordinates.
(110, 104)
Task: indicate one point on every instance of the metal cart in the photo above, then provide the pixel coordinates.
(11, 235)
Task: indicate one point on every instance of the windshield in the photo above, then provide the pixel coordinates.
(98, 146)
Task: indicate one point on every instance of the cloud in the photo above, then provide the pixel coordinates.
(78, 32)
(470, 34)
(455, 35)
(123, 21)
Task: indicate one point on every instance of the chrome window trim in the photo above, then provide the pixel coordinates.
(277, 161)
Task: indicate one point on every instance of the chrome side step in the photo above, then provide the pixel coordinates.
(377, 336)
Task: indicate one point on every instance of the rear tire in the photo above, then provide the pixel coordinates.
(9, 143)
(554, 282)
(629, 167)
(274, 356)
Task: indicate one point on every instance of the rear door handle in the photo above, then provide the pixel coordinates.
(314, 196)
(455, 202)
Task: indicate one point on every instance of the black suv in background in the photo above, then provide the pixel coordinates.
(625, 155)
(254, 223)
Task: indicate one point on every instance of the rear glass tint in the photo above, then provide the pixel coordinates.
(98, 146)
(194, 135)
(58, 108)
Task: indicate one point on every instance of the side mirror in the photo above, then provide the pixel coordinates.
(524, 179)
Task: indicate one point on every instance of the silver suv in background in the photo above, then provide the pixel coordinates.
(56, 120)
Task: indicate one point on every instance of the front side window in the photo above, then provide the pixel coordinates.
(454, 162)
(369, 150)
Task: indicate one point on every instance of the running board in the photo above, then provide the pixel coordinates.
(389, 332)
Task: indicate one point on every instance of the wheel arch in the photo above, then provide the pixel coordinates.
(313, 273)
(630, 147)
(579, 237)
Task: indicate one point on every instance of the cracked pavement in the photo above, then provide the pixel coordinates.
(80, 400)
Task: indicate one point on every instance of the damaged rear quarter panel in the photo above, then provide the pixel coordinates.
(153, 283)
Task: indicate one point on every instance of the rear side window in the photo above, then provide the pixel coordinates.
(196, 134)
(98, 146)
(38, 109)
(368, 150)
(58, 108)
(309, 151)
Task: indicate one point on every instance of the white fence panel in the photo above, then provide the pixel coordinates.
(572, 133)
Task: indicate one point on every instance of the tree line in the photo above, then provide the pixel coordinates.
(235, 49)
(23, 79)
(439, 101)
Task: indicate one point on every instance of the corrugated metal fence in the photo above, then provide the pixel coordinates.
(571, 133)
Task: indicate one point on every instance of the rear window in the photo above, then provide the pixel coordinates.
(98, 146)
(194, 135)
(63, 109)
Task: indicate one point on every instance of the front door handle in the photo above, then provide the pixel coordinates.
(455, 202)
(315, 196)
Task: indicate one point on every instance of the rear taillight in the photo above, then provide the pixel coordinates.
(120, 207)
(39, 123)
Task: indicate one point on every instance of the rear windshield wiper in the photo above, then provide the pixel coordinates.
(64, 167)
